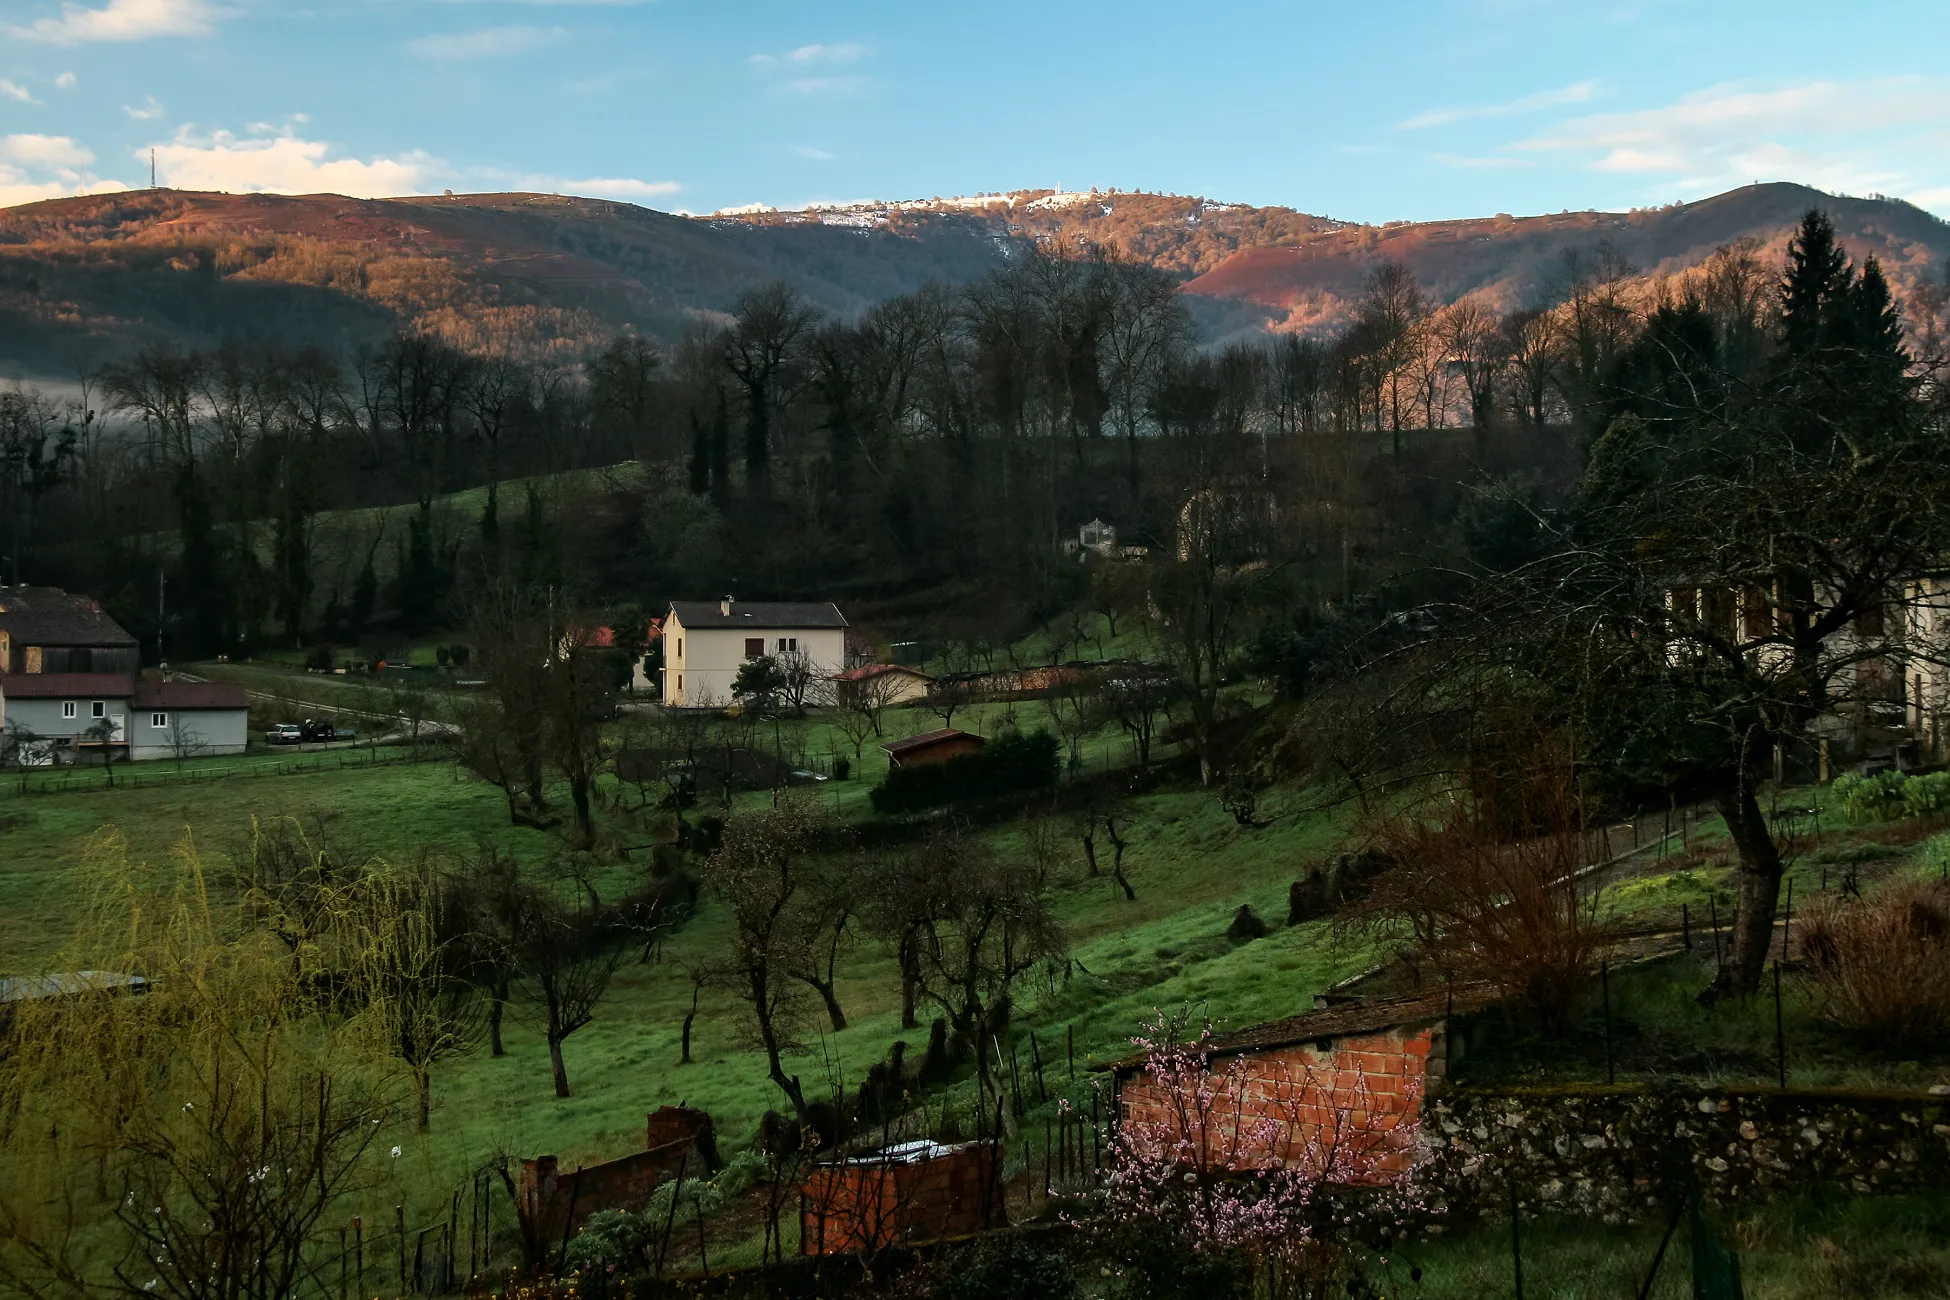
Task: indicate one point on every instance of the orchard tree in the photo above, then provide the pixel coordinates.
(1725, 587)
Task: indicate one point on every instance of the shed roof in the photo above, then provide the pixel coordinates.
(1363, 1017)
(23, 988)
(50, 616)
(929, 739)
(152, 694)
(66, 686)
(703, 614)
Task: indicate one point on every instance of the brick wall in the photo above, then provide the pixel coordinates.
(1351, 1103)
(870, 1205)
(674, 1137)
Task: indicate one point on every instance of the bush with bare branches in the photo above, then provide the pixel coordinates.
(1488, 888)
(1882, 965)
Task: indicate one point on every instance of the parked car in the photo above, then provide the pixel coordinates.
(285, 733)
(316, 730)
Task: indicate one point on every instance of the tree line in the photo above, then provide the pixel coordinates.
(952, 435)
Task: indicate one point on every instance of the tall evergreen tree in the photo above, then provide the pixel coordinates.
(1815, 283)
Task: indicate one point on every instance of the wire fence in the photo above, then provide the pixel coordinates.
(120, 778)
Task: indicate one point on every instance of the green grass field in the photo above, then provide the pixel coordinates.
(1190, 863)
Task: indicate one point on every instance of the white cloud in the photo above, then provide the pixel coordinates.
(36, 167)
(833, 87)
(65, 81)
(44, 151)
(487, 43)
(600, 187)
(149, 111)
(15, 91)
(816, 55)
(623, 187)
(1579, 92)
(1884, 135)
(286, 164)
(122, 20)
(816, 155)
(843, 52)
(16, 188)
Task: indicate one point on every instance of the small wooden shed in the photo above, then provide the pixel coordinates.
(931, 747)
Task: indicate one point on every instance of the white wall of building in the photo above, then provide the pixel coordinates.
(700, 665)
(200, 732)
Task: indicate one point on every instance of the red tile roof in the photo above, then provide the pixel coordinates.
(66, 686)
(1366, 1016)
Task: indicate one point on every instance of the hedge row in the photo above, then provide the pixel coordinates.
(1009, 762)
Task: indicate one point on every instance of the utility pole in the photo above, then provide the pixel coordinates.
(162, 586)
(152, 168)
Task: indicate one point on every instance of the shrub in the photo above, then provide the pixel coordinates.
(1882, 965)
(1009, 1266)
(1869, 798)
(1008, 763)
(1489, 890)
(611, 1241)
(320, 658)
(1926, 795)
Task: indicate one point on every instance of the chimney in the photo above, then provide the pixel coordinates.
(724, 607)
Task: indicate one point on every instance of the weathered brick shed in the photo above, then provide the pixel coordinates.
(1355, 1074)
(675, 1137)
(911, 1191)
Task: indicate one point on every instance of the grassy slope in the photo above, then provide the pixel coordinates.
(1190, 864)
(1191, 867)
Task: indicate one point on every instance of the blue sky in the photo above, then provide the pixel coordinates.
(1372, 112)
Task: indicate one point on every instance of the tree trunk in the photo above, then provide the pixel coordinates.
(910, 980)
(1117, 862)
(561, 1070)
(497, 1003)
(585, 823)
(423, 1096)
(833, 1012)
(689, 1018)
(1760, 890)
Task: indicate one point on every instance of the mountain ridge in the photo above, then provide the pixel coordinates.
(90, 277)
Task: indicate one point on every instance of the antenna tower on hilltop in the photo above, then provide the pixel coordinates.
(152, 169)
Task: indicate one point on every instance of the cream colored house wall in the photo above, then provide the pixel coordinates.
(700, 665)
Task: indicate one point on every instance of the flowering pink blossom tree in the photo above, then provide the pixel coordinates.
(1268, 1158)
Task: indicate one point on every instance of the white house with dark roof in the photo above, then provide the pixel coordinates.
(69, 690)
(707, 641)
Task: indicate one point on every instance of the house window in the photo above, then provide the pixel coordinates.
(67, 708)
(680, 647)
(680, 683)
(98, 710)
(159, 720)
(792, 644)
(754, 647)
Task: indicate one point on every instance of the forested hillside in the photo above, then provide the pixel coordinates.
(89, 279)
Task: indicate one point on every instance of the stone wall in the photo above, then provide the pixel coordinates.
(1620, 1154)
